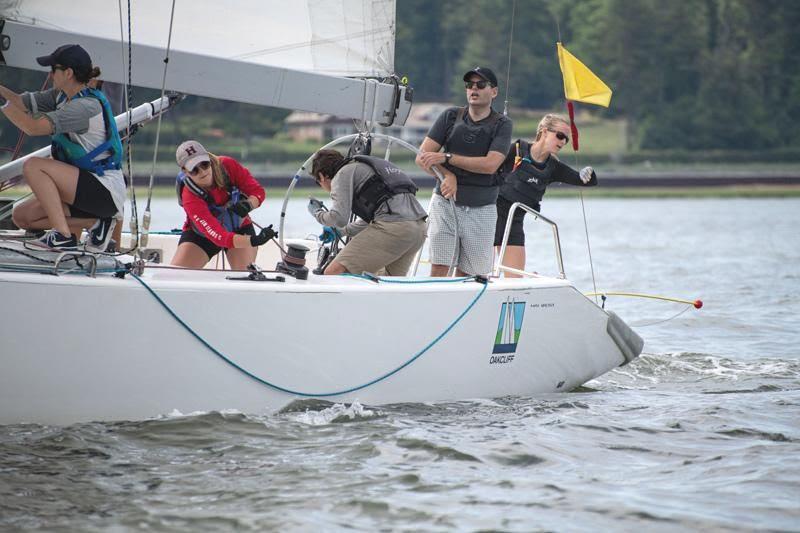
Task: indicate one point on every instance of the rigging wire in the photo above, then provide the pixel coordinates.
(146, 215)
(508, 65)
(580, 191)
(586, 231)
(127, 75)
(645, 324)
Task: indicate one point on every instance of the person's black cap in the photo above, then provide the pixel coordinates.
(483, 72)
(68, 55)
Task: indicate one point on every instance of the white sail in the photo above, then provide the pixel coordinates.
(299, 55)
(335, 37)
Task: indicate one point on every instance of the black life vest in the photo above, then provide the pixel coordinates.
(527, 182)
(478, 149)
(386, 182)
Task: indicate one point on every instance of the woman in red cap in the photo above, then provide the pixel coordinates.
(217, 194)
(82, 185)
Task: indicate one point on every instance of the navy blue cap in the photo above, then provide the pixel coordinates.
(68, 55)
(483, 72)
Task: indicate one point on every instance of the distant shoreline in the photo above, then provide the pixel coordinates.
(611, 186)
(629, 179)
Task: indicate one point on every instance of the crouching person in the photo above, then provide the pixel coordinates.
(217, 193)
(82, 185)
(390, 228)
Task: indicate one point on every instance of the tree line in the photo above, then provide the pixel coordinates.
(688, 74)
(691, 75)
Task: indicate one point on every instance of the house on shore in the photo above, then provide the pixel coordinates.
(304, 126)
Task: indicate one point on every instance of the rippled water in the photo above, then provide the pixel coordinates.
(702, 432)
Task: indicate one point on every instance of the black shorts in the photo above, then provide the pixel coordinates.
(211, 249)
(92, 199)
(517, 235)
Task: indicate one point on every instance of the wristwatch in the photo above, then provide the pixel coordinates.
(447, 157)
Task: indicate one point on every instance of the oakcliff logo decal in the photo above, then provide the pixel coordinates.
(508, 331)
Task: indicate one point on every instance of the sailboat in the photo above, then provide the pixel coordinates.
(94, 337)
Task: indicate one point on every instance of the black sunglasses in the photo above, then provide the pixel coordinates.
(560, 136)
(203, 165)
(479, 84)
(58, 67)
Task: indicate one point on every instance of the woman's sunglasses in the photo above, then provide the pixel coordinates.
(203, 165)
(58, 67)
(560, 136)
(479, 84)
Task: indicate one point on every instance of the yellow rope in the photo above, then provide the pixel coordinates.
(696, 303)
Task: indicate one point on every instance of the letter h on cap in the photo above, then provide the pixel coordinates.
(190, 150)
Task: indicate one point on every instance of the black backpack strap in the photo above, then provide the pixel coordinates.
(452, 126)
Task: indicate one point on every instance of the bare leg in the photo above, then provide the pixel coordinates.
(53, 183)
(31, 215)
(514, 258)
(189, 255)
(239, 258)
(439, 271)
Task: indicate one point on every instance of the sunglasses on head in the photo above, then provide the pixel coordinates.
(203, 165)
(481, 84)
(561, 136)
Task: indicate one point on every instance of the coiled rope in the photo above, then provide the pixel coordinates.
(316, 394)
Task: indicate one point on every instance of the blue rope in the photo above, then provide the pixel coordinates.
(313, 394)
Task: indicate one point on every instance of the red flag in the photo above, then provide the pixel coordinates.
(572, 126)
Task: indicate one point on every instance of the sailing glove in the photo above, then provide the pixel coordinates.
(586, 174)
(314, 206)
(328, 234)
(242, 207)
(263, 236)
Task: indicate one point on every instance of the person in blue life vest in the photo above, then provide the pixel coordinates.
(217, 193)
(527, 171)
(82, 186)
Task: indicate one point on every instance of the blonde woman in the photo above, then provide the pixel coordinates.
(217, 194)
(528, 169)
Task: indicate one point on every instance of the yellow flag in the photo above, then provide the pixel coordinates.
(580, 83)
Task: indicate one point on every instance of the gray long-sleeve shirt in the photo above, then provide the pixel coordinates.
(350, 177)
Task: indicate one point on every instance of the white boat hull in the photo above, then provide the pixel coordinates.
(77, 348)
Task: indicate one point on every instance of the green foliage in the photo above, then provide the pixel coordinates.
(687, 75)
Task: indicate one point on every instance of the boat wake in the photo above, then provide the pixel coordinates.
(333, 414)
(706, 370)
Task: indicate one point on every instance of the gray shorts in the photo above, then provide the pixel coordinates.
(474, 242)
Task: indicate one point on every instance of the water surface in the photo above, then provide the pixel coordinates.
(702, 432)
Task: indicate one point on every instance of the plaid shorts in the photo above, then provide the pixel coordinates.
(475, 239)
